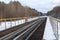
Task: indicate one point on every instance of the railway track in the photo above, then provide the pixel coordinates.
(38, 34)
(7, 31)
(23, 33)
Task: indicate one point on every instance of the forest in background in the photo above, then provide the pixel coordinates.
(55, 12)
(15, 9)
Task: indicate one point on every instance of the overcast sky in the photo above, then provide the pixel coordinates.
(40, 5)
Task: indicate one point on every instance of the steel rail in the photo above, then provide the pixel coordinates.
(33, 31)
(29, 29)
(16, 32)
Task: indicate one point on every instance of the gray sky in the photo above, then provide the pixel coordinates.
(40, 5)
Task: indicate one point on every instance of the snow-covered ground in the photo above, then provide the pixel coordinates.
(59, 30)
(48, 33)
(9, 24)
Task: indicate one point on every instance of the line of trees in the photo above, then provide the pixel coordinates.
(15, 9)
(55, 12)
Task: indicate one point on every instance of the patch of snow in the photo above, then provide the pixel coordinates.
(48, 33)
(59, 30)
